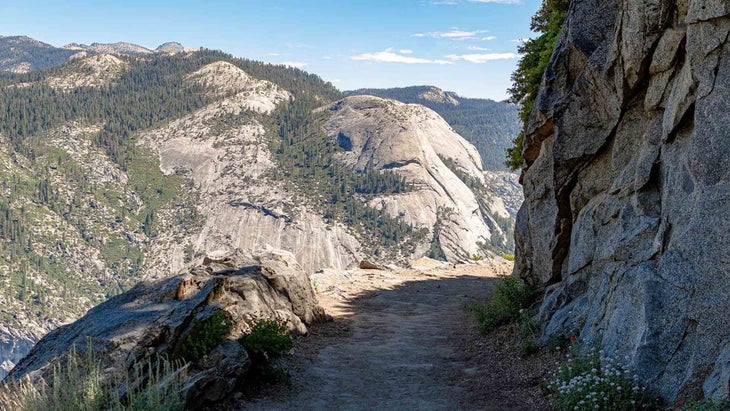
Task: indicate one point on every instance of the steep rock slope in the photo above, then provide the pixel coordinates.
(414, 142)
(626, 185)
(489, 125)
(243, 207)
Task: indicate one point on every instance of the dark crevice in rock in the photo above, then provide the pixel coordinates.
(397, 164)
(266, 211)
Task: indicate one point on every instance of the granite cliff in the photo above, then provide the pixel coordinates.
(626, 181)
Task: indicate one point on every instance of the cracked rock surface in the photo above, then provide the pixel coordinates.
(627, 190)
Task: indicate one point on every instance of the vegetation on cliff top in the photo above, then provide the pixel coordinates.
(536, 52)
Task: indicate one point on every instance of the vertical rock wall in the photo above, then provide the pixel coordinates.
(626, 220)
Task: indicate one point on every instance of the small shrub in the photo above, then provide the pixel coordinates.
(510, 296)
(476, 257)
(508, 257)
(592, 383)
(266, 343)
(205, 336)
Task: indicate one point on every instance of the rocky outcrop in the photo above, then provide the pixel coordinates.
(416, 143)
(14, 344)
(95, 71)
(626, 186)
(156, 319)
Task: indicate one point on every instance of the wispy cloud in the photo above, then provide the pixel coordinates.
(489, 38)
(443, 2)
(481, 58)
(406, 51)
(295, 64)
(452, 34)
(390, 56)
(477, 48)
(273, 54)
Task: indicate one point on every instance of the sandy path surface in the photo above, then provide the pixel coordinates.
(391, 346)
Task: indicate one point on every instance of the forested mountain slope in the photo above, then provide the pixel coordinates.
(488, 124)
(117, 168)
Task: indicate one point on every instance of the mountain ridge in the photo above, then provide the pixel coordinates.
(23, 54)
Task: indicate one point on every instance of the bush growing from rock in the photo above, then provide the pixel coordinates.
(510, 296)
(205, 336)
(266, 343)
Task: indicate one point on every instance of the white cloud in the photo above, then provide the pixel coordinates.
(389, 56)
(497, 1)
(337, 80)
(481, 58)
(444, 2)
(453, 34)
(273, 54)
(405, 51)
(477, 48)
(295, 64)
(489, 38)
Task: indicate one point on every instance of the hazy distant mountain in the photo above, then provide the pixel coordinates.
(489, 125)
(125, 49)
(21, 54)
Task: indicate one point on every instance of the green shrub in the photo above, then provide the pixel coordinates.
(476, 257)
(266, 343)
(592, 383)
(508, 257)
(205, 336)
(510, 296)
(78, 384)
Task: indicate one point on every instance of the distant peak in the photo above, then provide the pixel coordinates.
(170, 47)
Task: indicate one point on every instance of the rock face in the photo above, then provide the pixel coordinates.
(416, 143)
(626, 181)
(13, 346)
(156, 318)
(243, 208)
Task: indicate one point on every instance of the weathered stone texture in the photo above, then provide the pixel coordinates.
(626, 217)
(155, 319)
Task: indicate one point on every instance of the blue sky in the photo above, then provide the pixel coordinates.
(467, 46)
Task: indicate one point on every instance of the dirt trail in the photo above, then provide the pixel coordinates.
(392, 344)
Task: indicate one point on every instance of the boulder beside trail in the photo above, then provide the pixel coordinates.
(155, 319)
